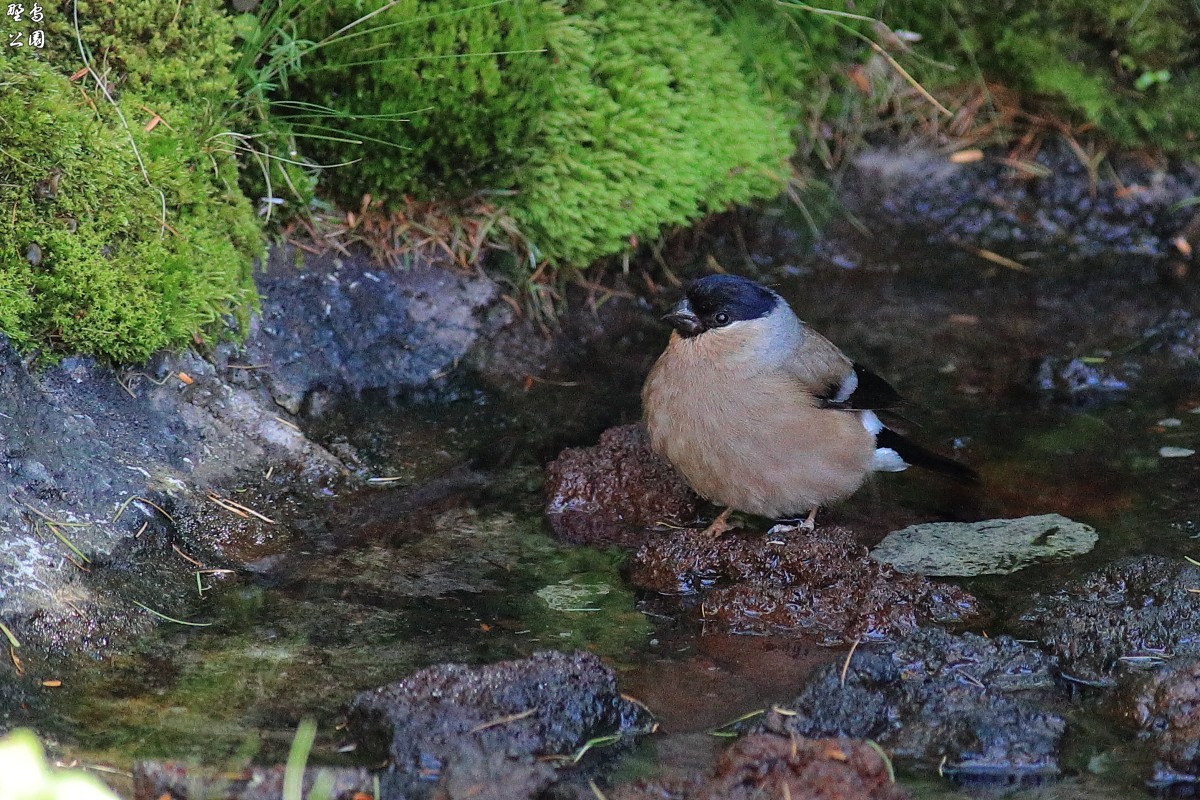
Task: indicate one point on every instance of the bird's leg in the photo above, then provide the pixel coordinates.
(789, 525)
(719, 525)
(810, 522)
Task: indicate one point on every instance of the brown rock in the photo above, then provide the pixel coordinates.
(778, 766)
(820, 584)
(1166, 708)
(614, 492)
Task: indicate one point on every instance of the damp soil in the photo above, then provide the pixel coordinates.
(1061, 385)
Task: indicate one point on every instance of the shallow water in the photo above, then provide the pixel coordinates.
(449, 559)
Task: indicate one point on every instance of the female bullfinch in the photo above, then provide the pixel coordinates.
(762, 414)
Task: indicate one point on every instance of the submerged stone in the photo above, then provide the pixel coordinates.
(507, 725)
(821, 585)
(991, 547)
(766, 765)
(568, 595)
(967, 705)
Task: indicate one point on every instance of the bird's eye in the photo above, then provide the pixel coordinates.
(721, 318)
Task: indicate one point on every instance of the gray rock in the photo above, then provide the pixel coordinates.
(991, 547)
(346, 323)
(965, 705)
(499, 728)
(89, 456)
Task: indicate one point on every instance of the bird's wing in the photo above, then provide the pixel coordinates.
(860, 388)
(835, 381)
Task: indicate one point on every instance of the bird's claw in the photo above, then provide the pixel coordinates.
(718, 526)
(808, 524)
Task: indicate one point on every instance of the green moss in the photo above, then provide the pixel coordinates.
(177, 53)
(628, 117)
(97, 256)
(1129, 68)
(794, 56)
(444, 95)
(91, 261)
(652, 124)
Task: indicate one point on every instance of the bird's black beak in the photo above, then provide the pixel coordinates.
(684, 320)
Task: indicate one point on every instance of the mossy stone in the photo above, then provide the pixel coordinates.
(123, 237)
(652, 124)
(428, 98)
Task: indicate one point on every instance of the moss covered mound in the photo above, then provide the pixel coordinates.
(1128, 67)
(89, 260)
(427, 97)
(629, 114)
(653, 124)
(122, 234)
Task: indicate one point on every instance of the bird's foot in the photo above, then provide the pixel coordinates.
(718, 526)
(783, 526)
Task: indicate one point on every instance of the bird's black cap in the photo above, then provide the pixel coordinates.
(737, 297)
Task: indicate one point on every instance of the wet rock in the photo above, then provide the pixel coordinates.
(765, 765)
(153, 780)
(114, 461)
(991, 547)
(1135, 211)
(1165, 707)
(502, 725)
(1085, 383)
(1177, 335)
(1132, 613)
(348, 324)
(968, 705)
(821, 585)
(614, 492)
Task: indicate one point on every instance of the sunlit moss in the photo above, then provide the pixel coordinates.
(124, 232)
(601, 120)
(652, 124)
(95, 258)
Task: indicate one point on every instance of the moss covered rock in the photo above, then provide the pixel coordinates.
(602, 120)
(652, 124)
(426, 97)
(126, 231)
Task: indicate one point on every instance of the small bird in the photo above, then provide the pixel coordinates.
(762, 414)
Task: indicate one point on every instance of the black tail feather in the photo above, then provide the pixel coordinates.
(918, 456)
